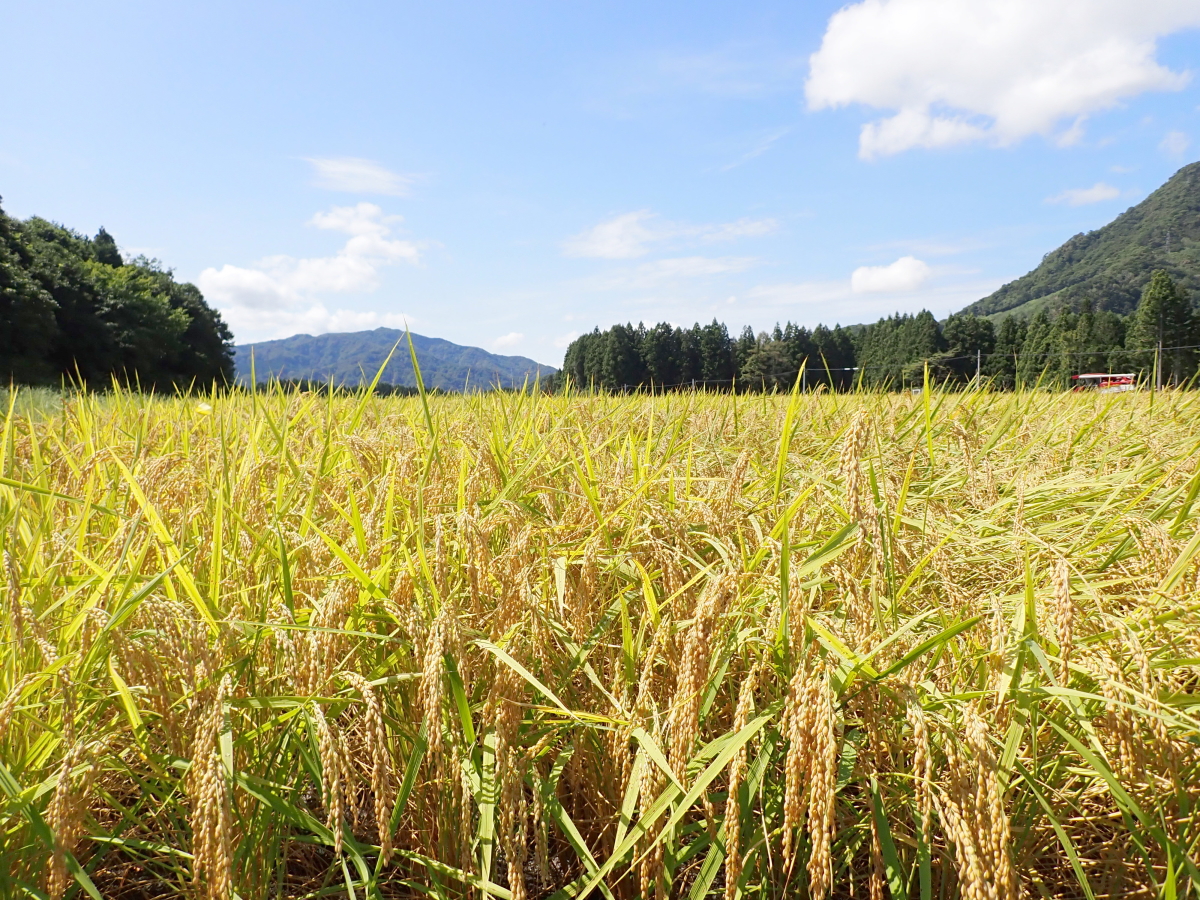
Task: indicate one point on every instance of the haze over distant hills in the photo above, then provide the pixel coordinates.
(355, 357)
(1112, 265)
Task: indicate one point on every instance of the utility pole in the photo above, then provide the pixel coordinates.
(978, 360)
(1158, 350)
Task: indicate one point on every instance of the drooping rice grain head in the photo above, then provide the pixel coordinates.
(737, 773)
(1062, 613)
(209, 793)
(11, 699)
(810, 770)
(332, 753)
(971, 808)
(382, 786)
(922, 767)
(692, 672)
(822, 787)
(64, 818)
(850, 466)
(439, 642)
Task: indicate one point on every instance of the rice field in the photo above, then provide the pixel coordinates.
(285, 645)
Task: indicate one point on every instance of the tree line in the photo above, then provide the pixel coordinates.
(73, 310)
(1047, 348)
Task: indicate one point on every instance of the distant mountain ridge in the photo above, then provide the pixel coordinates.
(353, 358)
(1109, 267)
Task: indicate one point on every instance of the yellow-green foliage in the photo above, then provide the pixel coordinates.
(874, 645)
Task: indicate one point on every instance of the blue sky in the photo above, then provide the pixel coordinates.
(507, 175)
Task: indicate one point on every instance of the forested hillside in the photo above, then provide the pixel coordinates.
(354, 358)
(894, 351)
(1109, 268)
(72, 309)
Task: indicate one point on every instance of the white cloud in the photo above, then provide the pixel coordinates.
(695, 266)
(280, 292)
(996, 70)
(1175, 143)
(258, 324)
(508, 340)
(564, 340)
(362, 218)
(675, 269)
(358, 176)
(631, 235)
(621, 237)
(1097, 193)
(906, 274)
(732, 231)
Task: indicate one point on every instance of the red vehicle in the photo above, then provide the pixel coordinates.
(1105, 383)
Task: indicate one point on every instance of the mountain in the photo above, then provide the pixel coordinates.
(354, 358)
(1110, 266)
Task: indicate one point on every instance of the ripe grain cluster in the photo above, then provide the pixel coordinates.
(519, 646)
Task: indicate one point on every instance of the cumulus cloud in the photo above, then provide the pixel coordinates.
(564, 340)
(358, 176)
(995, 70)
(281, 291)
(1175, 143)
(1097, 193)
(906, 274)
(508, 340)
(631, 235)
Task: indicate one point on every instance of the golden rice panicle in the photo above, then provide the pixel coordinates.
(64, 818)
(798, 726)
(850, 465)
(12, 588)
(737, 773)
(1119, 723)
(810, 770)
(513, 808)
(24, 618)
(995, 829)
(209, 792)
(11, 699)
(922, 768)
(333, 755)
(823, 782)
(325, 644)
(971, 808)
(692, 675)
(379, 751)
(438, 642)
(1062, 613)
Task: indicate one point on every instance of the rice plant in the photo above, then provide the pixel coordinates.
(290, 644)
